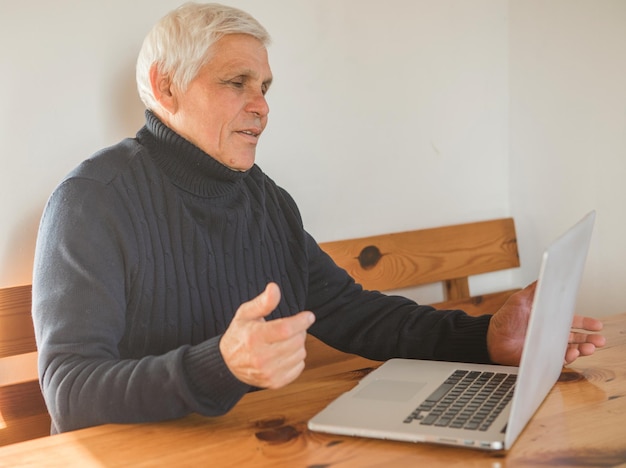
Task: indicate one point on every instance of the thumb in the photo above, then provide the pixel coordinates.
(261, 306)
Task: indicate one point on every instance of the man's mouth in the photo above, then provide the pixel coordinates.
(253, 133)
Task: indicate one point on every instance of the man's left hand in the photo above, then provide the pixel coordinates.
(507, 330)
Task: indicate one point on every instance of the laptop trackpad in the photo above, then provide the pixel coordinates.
(390, 390)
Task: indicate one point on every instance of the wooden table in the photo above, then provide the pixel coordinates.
(581, 423)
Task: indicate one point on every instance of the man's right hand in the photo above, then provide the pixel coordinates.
(265, 354)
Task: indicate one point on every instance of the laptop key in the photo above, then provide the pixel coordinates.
(429, 420)
(440, 392)
(443, 422)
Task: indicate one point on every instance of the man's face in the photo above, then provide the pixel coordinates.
(224, 111)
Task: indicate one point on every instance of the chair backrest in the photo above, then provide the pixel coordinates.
(449, 254)
(23, 413)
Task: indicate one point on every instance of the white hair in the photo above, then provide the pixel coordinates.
(180, 43)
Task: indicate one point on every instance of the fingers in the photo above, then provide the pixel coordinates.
(280, 354)
(575, 351)
(266, 354)
(581, 343)
(276, 365)
(586, 349)
(571, 355)
(261, 306)
(587, 323)
(283, 329)
(276, 330)
(584, 344)
(579, 338)
(274, 355)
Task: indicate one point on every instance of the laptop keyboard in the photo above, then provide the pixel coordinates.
(466, 400)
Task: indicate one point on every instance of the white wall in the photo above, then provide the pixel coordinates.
(568, 134)
(384, 115)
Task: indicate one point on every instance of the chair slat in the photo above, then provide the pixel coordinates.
(17, 335)
(448, 254)
(23, 413)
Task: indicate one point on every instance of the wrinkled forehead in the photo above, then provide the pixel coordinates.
(242, 54)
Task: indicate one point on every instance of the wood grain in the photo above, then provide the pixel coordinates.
(17, 335)
(428, 255)
(449, 255)
(23, 413)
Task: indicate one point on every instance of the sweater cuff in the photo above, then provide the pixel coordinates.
(214, 385)
(469, 339)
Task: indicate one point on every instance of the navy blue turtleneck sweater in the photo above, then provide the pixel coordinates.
(144, 253)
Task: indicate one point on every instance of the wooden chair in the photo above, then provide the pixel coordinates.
(449, 254)
(23, 413)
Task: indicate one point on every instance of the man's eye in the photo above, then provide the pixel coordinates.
(235, 82)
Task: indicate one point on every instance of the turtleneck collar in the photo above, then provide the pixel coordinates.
(187, 166)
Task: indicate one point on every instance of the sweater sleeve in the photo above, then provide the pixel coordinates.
(84, 265)
(381, 327)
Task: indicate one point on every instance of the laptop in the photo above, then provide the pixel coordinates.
(472, 405)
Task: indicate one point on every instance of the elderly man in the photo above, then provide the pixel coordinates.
(173, 276)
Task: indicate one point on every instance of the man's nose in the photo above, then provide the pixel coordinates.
(258, 105)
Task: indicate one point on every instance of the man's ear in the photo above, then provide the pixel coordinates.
(162, 89)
